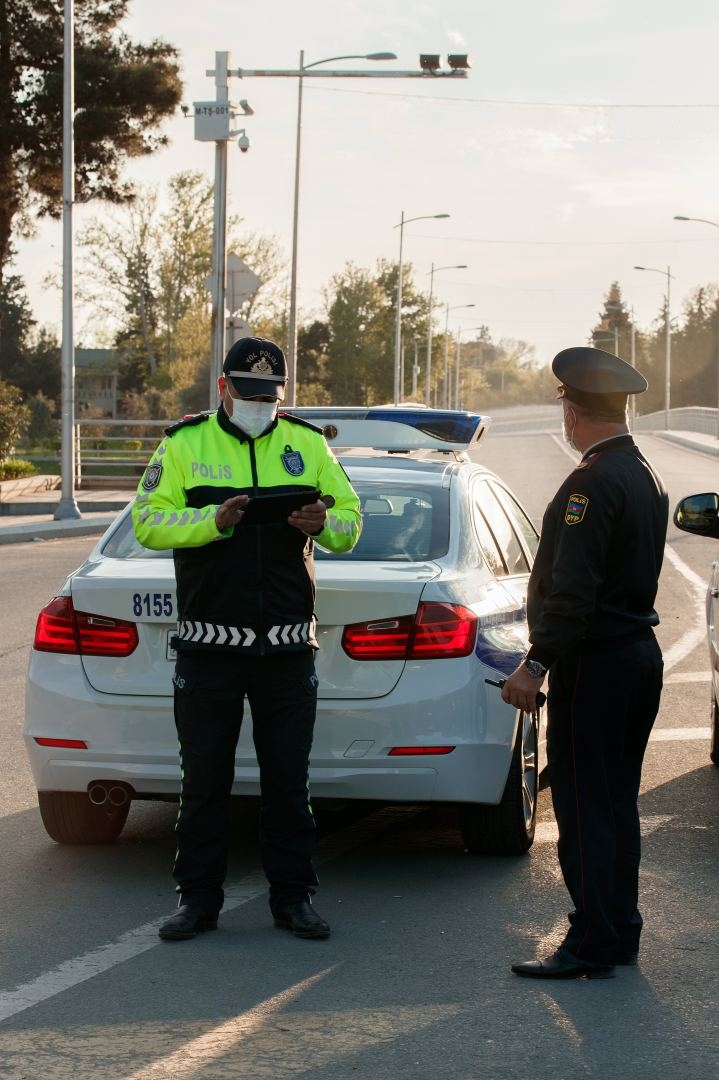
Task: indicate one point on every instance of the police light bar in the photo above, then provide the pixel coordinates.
(397, 427)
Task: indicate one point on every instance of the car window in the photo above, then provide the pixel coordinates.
(497, 520)
(123, 544)
(521, 522)
(488, 544)
(407, 524)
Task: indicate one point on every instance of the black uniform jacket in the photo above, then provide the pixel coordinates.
(596, 573)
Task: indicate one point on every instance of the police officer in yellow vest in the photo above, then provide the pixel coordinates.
(245, 596)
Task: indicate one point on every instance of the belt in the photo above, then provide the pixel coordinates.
(199, 632)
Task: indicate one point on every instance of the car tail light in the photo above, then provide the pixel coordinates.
(67, 744)
(61, 629)
(437, 631)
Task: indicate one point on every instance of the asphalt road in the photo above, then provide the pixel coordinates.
(415, 981)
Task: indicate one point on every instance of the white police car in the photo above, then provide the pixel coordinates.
(699, 514)
(428, 606)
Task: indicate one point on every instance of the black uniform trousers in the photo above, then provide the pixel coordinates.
(601, 709)
(209, 696)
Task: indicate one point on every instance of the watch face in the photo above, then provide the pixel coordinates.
(534, 668)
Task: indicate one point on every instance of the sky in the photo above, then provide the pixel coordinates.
(562, 159)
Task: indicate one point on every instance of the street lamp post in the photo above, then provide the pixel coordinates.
(292, 321)
(398, 318)
(667, 341)
(67, 507)
(429, 68)
(428, 367)
(456, 307)
(706, 221)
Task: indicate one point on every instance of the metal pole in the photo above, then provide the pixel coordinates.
(457, 403)
(398, 316)
(401, 372)
(67, 507)
(428, 365)
(633, 361)
(446, 359)
(667, 354)
(415, 369)
(222, 61)
(291, 392)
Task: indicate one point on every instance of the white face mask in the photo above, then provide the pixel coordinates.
(567, 435)
(252, 417)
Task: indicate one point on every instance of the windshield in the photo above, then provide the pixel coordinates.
(407, 523)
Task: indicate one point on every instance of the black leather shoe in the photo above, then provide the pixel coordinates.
(302, 919)
(562, 965)
(186, 923)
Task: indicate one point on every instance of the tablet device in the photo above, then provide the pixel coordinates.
(276, 506)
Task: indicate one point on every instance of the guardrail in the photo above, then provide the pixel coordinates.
(117, 453)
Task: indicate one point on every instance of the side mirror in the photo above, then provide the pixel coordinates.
(698, 514)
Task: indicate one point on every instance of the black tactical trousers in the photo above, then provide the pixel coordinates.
(601, 710)
(209, 694)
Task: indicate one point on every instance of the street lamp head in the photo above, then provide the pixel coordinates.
(681, 217)
(458, 61)
(380, 56)
(440, 215)
(640, 267)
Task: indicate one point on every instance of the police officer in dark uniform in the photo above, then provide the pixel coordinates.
(245, 597)
(590, 609)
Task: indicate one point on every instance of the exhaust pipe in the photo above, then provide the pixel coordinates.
(101, 792)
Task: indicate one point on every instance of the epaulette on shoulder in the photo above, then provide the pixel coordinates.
(189, 421)
(298, 420)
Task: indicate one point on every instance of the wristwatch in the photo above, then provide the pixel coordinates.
(535, 669)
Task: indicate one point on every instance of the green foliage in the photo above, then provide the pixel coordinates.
(17, 469)
(42, 429)
(145, 273)
(123, 92)
(14, 419)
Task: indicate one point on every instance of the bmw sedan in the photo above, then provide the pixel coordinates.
(417, 626)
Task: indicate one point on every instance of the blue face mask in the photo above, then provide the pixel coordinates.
(252, 417)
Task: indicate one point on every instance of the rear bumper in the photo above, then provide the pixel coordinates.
(132, 739)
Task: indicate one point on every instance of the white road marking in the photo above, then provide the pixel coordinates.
(679, 734)
(697, 634)
(218, 1040)
(688, 677)
(135, 942)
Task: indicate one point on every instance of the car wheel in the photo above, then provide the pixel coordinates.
(70, 818)
(508, 829)
(714, 752)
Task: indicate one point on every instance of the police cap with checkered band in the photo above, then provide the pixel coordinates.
(256, 367)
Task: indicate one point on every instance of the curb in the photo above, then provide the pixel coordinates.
(691, 444)
(49, 530)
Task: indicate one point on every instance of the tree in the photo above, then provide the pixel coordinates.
(144, 274)
(361, 313)
(124, 91)
(14, 419)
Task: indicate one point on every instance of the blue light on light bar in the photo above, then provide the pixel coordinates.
(396, 427)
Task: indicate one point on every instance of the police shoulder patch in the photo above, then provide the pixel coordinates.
(576, 509)
(152, 476)
(189, 421)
